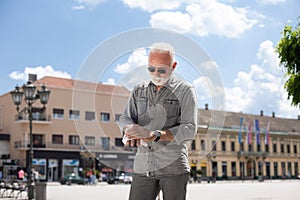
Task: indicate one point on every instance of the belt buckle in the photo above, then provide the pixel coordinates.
(148, 173)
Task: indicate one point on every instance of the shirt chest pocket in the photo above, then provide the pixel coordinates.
(142, 104)
(171, 107)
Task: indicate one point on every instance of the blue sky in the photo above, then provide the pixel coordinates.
(56, 37)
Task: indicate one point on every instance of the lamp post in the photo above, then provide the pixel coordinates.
(30, 96)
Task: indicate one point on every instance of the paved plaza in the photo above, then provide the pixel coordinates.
(267, 190)
(236, 190)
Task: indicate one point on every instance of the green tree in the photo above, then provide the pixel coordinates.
(288, 49)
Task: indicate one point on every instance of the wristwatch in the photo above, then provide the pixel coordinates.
(157, 135)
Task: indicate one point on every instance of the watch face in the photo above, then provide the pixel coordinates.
(157, 133)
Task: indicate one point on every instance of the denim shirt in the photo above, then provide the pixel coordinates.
(173, 107)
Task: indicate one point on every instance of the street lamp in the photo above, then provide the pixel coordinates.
(30, 96)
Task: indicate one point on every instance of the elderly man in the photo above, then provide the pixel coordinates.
(160, 118)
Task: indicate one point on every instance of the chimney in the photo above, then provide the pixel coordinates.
(273, 114)
(206, 106)
(261, 113)
(32, 78)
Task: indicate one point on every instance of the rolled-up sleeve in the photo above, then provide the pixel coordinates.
(187, 128)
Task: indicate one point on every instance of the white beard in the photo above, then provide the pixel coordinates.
(159, 81)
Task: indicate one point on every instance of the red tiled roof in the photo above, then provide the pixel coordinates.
(232, 120)
(56, 82)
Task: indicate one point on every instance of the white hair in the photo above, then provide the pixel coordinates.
(163, 47)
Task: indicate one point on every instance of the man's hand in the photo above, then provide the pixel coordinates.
(135, 131)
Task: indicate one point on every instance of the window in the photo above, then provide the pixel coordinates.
(224, 170)
(233, 169)
(295, 148)
(232, 146)
(258, 148)
(118, 142)
(223, 146)
(74, 139)
(74, 114)
(289, 169)
(193, 145)
(288, 148)
(259, 168)
(104, 117)
(57, 139)
(283, 169)
(296, 168)
(38, 140)
(89, 140)
(275, 148)
(58, 113)
(105, 143)
(202, 145)
(38, 114)
(267, 148)
(275, 169)
(250, 147)
(89, 116)
(282, 148)
(242, 146)
(214, 145)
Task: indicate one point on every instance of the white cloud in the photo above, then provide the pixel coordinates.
(87, 4)
(138, 58)
(270, 2)
(261, 88)
(40, 71)
(270, 59)
(178, 21)
(151, 6)
(110, 81)
(80, 7)
(206, 17)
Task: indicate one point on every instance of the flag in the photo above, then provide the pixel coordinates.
(257, 132)
(249, 133)
(267, 136)
(240, 131)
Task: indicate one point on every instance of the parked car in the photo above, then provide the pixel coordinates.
(112, 179)
(123, 178)
(127, 179)
(73, 178)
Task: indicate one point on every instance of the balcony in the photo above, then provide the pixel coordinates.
(38, 115)
(24, 145)
(212, 154)
(252, 154)
(36, 118)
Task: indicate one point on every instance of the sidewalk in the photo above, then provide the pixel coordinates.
(231, 190)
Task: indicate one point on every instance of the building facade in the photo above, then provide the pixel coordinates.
(77, 130)
(239, 151)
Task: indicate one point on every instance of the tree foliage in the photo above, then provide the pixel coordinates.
(288, 49)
